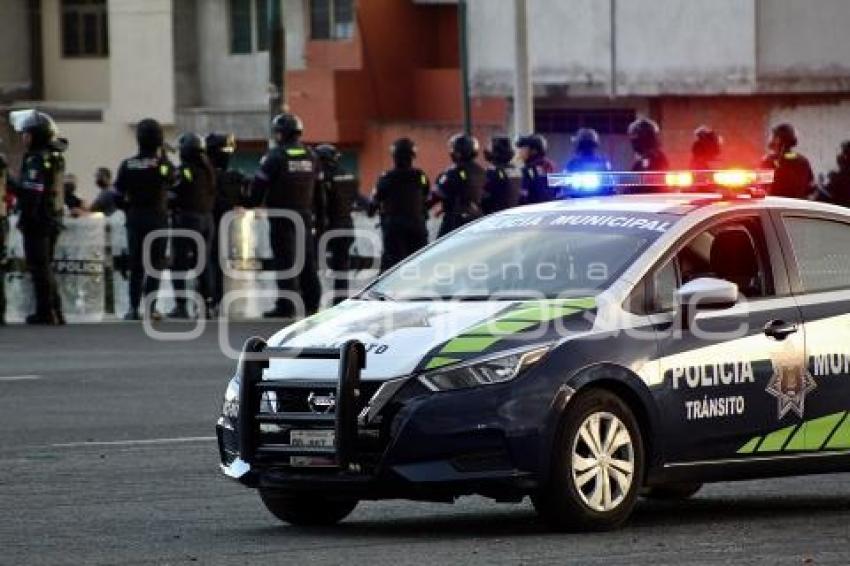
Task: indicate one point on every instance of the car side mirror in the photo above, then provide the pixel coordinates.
(705, 293)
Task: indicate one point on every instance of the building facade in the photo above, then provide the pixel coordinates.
(364, 72)
(738, 65)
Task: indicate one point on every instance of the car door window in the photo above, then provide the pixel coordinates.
(822, 251)
(734, 251)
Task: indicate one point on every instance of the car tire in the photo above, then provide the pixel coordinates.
(575, 497)
(672, 492)
(307, 510)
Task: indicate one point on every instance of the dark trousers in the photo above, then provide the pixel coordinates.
(188, 256)
(339, 260)
(4, 228)
(38, 249)
(140, 223)
(215, 258)
(306, 283)
(402, 237)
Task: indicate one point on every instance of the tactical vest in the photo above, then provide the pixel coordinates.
(197, 188)
(293, 188)
(145, 182)
(403, 193)
(504, 185)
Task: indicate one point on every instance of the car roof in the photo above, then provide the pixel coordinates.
(674, 203)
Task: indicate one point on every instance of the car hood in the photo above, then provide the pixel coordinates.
(402, 337)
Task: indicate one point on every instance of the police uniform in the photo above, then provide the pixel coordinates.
(535, 184)
(401, 196)
(792, 174)
(4, 228)
(336, 191)
(142, 185)
(193, 203)
(230, 187)
(286, 180)
(502, 188)
(652, 160)
(461, 188)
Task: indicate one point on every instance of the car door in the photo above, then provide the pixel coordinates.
(719, 373)
(818, 251)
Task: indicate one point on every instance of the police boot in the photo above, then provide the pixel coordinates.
(41, 319)
(278, 312)
(59, 317)
(179, 310)
(132, 314)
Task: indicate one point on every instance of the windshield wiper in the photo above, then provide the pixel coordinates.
(374, 295)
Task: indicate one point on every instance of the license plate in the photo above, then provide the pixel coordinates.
(311, 439)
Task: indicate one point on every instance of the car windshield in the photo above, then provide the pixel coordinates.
(525, 255)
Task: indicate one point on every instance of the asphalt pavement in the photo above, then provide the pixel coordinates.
(107, 456)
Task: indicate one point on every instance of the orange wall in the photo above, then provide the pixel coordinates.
(742, 121)
(431, 142)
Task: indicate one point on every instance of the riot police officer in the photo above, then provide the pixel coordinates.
(586, 156)
(706, 149)
(645, 137)
(461, 187)
(504, 181)
(336, 192)
(838, 181)
(229, 194)
(40, 202)
(286, 181)
(193, 203)
(792, 174)
(4, 227)
(401, 195)
(535, 167)
(142, 185)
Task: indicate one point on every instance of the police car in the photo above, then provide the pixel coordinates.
(582, 352)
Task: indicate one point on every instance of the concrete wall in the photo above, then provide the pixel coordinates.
(685, 47)
(84, 80)
(15, 44)
(142, 61)
(804, 46)
(569, 42)
(241, 81)
(666, 46)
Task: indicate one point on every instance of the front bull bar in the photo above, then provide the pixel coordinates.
(255, 358)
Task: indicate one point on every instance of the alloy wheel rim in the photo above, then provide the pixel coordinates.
(602, 461)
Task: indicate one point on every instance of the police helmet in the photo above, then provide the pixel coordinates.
(220, 143)
(644, 135)
(191, 145)
(586, 140)
(534, 142)
(37, 124)
(403, 148)
(463, 147)
(328, 154)
(289, 126)
(843, 158)
(707, 143)
(785, 135)
(501, 150)
(149, 134)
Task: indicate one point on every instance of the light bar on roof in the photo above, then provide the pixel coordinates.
(587, 183)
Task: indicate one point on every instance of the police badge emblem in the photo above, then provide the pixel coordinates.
(789, 385)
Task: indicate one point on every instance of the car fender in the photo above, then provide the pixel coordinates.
(620, 380)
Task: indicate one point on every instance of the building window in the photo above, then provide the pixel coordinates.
(85, 28)
(249, 26)
(331, 19)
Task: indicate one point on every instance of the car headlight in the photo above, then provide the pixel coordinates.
(230, 408)
(488, 371)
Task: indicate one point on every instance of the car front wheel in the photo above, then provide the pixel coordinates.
(597, 465)
(306, 510)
